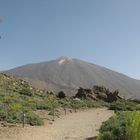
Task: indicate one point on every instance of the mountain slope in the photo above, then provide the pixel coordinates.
(69, 74)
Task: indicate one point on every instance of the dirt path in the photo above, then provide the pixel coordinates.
(76, 126)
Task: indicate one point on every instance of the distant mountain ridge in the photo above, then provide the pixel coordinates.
(68, 74)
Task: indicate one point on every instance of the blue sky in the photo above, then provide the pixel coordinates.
(104, 32)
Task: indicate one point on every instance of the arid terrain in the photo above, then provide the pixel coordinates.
(74, 126)
(68, 74)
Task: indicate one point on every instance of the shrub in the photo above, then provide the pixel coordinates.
(123, 126)
(76, 103)
(8, 99)
(106, 136)
(14, 117)
(3, 115)
(123, 106)
(16, 107)
(61, 95)
(26, 91)
(42, 105)
(65, 102)
(51, 102)
(138, 106)
(113, 129)
(33, 119)
(133, 128)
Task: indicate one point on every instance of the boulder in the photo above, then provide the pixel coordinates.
(98, 93)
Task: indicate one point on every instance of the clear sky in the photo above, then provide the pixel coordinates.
(104, 32)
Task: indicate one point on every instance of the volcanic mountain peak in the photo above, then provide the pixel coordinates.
(67, 74)
(64, 59)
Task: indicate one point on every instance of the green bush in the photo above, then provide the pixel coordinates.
(138, 106)
(113, 129)
(65, 102)
(3, 115)
(91, 103)
(33, 119)
(123, 106)
(26, 91)
(14, 117)
(51, 103)
(106, 136)
(123, 126)
(61, 95)
(133, 128)
(75, 103)
(42, 105)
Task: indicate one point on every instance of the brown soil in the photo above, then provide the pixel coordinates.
(74, 126)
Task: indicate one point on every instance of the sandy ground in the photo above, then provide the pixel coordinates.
(75, 126)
